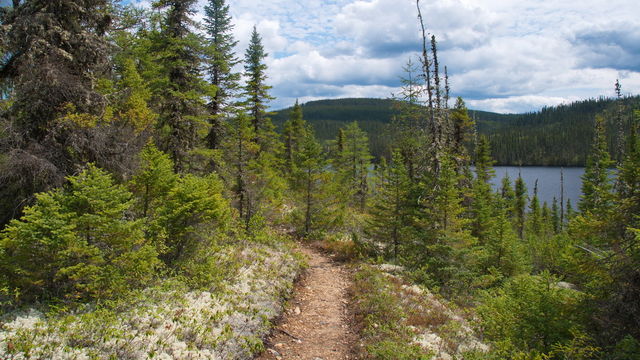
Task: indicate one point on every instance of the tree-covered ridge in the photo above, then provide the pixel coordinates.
(555, 136)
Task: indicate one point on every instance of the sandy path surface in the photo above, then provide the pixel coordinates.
(316, 324)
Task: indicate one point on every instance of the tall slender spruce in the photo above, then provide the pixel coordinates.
(256, 90)
(220, 60)
(182, 98)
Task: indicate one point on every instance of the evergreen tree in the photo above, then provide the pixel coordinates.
(193, 214)
(570, 211)
(535, 213)
(502, 252)
(443, 240)
(183, 89)
(555, 216)
(220, 59)
(390, 212)
(596, 183)
(353, 162)
(520, 204)
(407, 124)
(256, 92)
(77, 243)
(53, 54)
(482, 204)
(134, 107)
(463, 127)
(508, 195)
(311, 166)
(628, 196)
(153, 181)
(294, 132)
(241, 149)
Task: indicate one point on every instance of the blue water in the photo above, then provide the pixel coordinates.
(548, 181)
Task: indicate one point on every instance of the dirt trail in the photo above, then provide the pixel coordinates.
(316, 324)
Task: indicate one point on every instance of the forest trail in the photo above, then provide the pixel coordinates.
(316, 324)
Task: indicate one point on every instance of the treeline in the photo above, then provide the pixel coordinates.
(561, 135)
(554, 136)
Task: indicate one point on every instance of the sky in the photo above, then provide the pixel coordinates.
(506, 56)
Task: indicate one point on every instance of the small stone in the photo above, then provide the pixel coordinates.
(275, 353)
(279, 345)
(297, 310)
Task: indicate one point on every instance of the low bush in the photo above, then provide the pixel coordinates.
(77, 243)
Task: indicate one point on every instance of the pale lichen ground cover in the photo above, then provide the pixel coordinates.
(437, 325)
(167, 321)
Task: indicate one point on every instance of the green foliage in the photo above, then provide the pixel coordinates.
(77, 243)
(531, 313)
(391, 208)
(442, 240)
(519, 205)
(379, 310)
(555, 136)
(153, 181)
(483, 198)
(181, 87)
(193, 214)
(308, 179)
(463, 129)
(256, 93)
(294, 131)
(220, 60)
(351, 162)
(596, 183)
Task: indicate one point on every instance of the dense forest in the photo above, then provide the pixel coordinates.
(554, 136)
(139, 167)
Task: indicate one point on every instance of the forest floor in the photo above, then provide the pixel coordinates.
(317, 324)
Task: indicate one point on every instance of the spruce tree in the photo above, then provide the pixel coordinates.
(482, 204)
(294, 131)
(256, 92)
(54, 52)
(309, 171)
(628, 196)
(555, 216)
(153, 181)
(240, 150)
(463, 127)
(443, 241)
(596, 183)
(353, 162)
(390, 211)
(535, 213)
(508, 195)
(57, 118)
(520, 205)
(183, 92)
(570, 211)
(408, 123)
(502, 250)
(220, 59)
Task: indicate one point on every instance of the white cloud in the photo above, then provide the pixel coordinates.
(517, 104)
(502, 55)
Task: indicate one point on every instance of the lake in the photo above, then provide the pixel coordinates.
(548, 181)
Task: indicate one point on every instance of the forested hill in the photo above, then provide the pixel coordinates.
(559, 135)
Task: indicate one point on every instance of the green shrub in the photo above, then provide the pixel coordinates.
(192, 216)
(77, 243)
(385, 332)
(531, 313)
